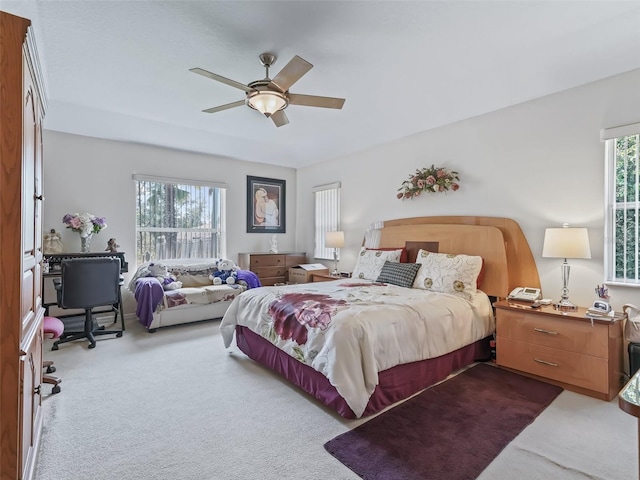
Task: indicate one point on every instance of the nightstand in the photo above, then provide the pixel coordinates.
(323, 277)
(560, 347)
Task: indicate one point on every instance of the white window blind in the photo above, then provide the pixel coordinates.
(327, 202)
(622, 209)
(179, 218)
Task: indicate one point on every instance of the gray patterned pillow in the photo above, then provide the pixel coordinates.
(401, 274)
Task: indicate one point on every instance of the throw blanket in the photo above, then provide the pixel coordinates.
(349, 330)
(253, 281)
(149, 293)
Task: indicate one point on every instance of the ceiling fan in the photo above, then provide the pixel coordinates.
(271, 97)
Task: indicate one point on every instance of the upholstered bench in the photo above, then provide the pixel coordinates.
(197, 300)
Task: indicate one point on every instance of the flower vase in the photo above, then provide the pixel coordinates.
(85, 243)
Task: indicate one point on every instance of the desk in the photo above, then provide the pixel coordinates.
(55, 267)
(629, 401)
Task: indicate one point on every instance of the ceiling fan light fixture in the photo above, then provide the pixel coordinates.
(267, 102)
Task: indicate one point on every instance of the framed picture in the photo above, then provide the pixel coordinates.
(266, 205)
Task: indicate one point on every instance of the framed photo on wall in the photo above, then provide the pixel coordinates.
(266, 198)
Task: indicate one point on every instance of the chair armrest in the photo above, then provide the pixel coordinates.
(57, 284)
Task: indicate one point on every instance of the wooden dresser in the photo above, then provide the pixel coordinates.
(22, 106)
(272, 268)
(563, 348)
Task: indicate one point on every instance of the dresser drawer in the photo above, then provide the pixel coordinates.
(271, 260)
(568, 367)
(266, 272)
(571, 335)
(294, 259)
(269, 281)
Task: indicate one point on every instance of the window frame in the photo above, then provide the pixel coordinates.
(612, 206)
(327, 219)
(218, 230)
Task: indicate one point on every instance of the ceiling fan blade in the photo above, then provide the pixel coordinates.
(291, 73)
(220, 78)
(280, 118)
(315, 101)
(239, 103)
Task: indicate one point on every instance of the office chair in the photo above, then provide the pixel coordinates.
(87, 283)
(118, 308)
(52, 328)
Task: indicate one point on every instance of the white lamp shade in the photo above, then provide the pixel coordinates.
(334, 239)
(566, 243)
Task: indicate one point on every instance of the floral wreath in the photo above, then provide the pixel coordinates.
(433, 179)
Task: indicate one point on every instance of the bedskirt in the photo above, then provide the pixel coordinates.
(395, 384)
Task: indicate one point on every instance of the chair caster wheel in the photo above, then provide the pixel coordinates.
(92, 345)
(119, 334)
(51, 369)
(55, 389)
(54, 347)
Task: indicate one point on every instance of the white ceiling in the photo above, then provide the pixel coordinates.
(120, 69)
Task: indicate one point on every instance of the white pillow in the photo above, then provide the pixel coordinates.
(448, 273)
(370, 262)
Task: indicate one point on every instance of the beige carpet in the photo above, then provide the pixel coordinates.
(176, 405)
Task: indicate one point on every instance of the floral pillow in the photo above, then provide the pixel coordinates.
(448, 273)
(370, 262)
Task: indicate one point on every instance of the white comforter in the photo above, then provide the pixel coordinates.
(349, 330)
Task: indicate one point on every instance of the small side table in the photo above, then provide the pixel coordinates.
(324, 277)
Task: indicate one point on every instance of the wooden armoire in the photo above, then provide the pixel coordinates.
(22, 105)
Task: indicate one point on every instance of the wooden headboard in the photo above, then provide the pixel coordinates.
(499, 241)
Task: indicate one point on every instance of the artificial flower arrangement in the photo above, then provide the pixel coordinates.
(85, 224)
(434, 179)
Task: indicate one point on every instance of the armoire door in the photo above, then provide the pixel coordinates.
(32, 311)
(22, 108)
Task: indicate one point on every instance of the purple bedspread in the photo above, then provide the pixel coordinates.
(149, 293)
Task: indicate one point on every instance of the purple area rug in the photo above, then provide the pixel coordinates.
(449, 432)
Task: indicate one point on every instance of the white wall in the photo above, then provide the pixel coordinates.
(85, 174)
(540, 163)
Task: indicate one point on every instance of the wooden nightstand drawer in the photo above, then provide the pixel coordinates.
(579, 337)
(569, 367)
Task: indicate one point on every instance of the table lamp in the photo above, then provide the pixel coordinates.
(334, 240)
(566, 243)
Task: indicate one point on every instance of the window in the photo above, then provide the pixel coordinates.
(622, 220)
(327, 217)
(178, 218)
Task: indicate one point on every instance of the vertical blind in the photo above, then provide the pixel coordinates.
(327, 216)
(178, 218)
(622, 223)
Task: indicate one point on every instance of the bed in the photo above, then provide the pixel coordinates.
(359, 345)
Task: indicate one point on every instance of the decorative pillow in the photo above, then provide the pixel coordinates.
(404, 256)
(370, 262)
(401, 274)
(448, 273)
